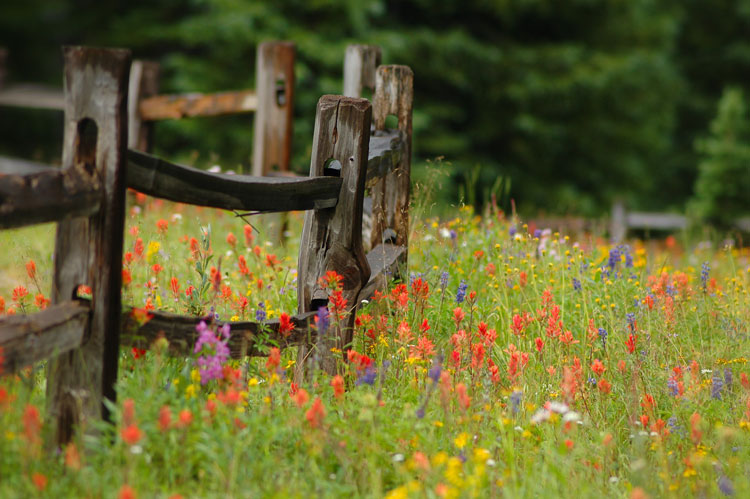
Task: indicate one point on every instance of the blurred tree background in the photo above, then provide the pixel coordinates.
(570, 103)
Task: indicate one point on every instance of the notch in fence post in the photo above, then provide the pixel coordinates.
(88, 250)
(274, 87)
(332, 237)
(143, 83)
(360, 64)
(394, 95)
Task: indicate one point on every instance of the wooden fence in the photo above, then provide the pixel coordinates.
(81, 338)
(272, 101)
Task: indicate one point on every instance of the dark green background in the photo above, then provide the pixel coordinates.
(572, 103)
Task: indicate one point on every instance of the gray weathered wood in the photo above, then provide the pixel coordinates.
(360, 64)
(332, 238)
(386, 148)
(157, 177)
(656, 221)
(172, 107)
(18, 166)
(384, 261)
(180, 331)
(32, 96)
(144, 83)
(89, 250)
(618, 227)
(36, 194)
(393, 96)
(26, 339)
(274, 74)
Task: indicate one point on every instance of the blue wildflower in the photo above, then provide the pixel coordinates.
(368, 377)
(322, 320)
(717, 383)
(444, 280)
(631, 321)
(461, 293)
(537, 233)
(705, 268)
(725, 485)
(728, 378)
(674, 389)
(512, 230)
(576, 284)
(260, 312)
(515, 401)
(603, 336)
(436, 369)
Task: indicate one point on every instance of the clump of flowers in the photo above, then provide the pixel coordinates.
(213, 351)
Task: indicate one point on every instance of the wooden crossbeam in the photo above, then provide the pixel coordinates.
(176, 106)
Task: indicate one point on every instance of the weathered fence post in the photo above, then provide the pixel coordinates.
(618, 227)
(144, 82)
(332, 237)
(274, 86)
(394, 93)
(360, 65)
(88, 250)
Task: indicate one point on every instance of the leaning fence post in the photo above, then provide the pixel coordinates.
(394, 93)
(360, 65)
(143, 83)
(332, 237)
(274, 87)
(88, 250)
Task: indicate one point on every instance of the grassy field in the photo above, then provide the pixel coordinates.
(511, 363)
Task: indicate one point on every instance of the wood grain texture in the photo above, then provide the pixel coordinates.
(384, 261)
(332, 238)
(394, 95)
(34, 194)
(180, 331)
(176, 106)
(157, 177)
(274, 84)
(386, 148)
(26, 339)
(360, 65)
(89, 250)
(143, 83)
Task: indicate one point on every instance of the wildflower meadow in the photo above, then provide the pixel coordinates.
(508, 361)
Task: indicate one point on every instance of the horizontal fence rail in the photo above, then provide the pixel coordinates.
(26, 339)
(167, 107)
(183, 184)
(35, 194)
(32, 96)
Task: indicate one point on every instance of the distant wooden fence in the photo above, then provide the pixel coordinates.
(622, 221)
(81, 338)
(272, 101)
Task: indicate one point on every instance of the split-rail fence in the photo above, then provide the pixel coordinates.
(352, 153)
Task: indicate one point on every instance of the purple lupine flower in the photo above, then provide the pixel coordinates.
(725, 485)
(631, 321)
(461, 293)
(537, 233)
(674, 389)
(213, 351)
(436, 369)
(576, 284)
(444, 280)
(322, 320)
(717, 383)
(603, 336)
(728, 378)
(515, 401)
(368, 377)
(512, 230)
(614, 258)
(705, 268)
(260, 312)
